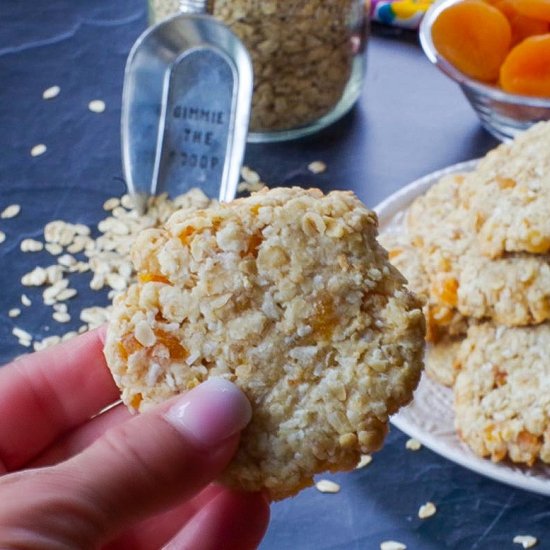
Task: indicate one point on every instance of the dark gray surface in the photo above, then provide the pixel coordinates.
(410, 121)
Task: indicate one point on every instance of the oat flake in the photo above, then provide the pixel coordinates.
(96, 106)
(51, 92)
(526, 541)
(427, 510)
(365, 460)
(327, 486)
(392, 545)
(10, 211)
(38, 150)
(317, 167)
(413, 445)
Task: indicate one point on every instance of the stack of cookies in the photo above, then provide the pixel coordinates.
(476, 247)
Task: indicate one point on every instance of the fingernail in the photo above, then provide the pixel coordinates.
(211, 412)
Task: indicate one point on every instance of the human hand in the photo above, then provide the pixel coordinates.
(73, 478)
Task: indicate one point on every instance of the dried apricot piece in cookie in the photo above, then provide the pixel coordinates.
(288, 294)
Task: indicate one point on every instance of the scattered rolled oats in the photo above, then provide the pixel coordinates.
(317, 167)
(97, 282)
(61, 316)
(392, 545)
(96, 106)
(327, 486)
(50, 93)
(50, 294)
(37, 277)
(31, 245)
(54, 273)
(94, 316)
(245, 187)
(10, 211)
(111, 204)
(53, 248)
(46, 342)
(427, 510)
(249, 175)
(526, 541)
(38, 150)
(365, 460)
(66, 260)
(2, 237)
(66, 294)
(14, 312)
(413, 445)
(107, 257)
(127, 201)
(21, 334)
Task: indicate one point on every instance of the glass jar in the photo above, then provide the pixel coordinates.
(308, 58)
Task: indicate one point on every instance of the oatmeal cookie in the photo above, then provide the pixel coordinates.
(513, 290)
(287, 294)
(502, 393)
(509, 193)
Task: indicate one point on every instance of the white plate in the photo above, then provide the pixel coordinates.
(430, 418)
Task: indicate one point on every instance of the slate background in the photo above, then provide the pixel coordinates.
(409, 121)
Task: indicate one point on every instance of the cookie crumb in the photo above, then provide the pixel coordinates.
(14, 312)
(526, 541)
(392, 545)
(427, 510)
(365, 460)
(96, 106)
(327, 486)
(413, 444)
(51, 92)
(25, 300)
(2, 237)
(38, 150)
(10, 211)
(317, 167)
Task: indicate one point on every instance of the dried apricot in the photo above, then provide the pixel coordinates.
(537, 9)
(474, 36)
(526, 70)
(521, 25)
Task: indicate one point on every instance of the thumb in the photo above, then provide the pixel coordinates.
(136, 469)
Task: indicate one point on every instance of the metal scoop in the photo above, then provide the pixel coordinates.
(185, 109)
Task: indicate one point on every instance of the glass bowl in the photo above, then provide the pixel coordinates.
(502, 114)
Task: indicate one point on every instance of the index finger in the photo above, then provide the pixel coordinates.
(44, 394)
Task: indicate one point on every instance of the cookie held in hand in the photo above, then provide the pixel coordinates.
(287, 294)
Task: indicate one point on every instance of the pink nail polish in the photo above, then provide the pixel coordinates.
(211, 412)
